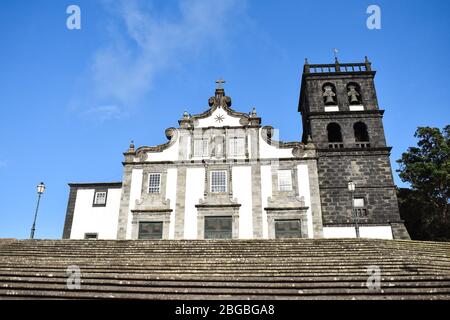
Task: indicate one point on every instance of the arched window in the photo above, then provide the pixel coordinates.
(329, 94)
(361, 134)
(354, 93)
(334, 132)
(334, 135)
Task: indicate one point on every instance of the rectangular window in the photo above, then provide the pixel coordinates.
(218, 227)
(359, 202)
(237, 146)
(91, 236)
(287, 229)
(284, 180)
(359, 205)
(150, 230)
(100, 198)
(154, 182)
(218, 181)
(200, 147)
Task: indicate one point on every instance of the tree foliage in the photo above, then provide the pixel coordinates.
(427, 169)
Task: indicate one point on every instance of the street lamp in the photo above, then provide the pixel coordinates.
(351, 187)
(40, 191)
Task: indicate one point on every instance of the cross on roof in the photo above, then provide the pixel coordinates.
(220, 83)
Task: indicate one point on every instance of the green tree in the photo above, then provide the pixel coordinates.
(425, 207)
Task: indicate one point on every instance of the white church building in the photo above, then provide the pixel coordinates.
(220, 175)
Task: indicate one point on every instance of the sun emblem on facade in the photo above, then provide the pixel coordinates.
(219, 118)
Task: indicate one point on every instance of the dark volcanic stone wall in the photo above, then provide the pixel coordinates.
(367, 164)
(371, 171)
(346, 121)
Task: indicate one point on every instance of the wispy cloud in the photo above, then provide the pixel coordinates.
(146, 41)
(103, 113)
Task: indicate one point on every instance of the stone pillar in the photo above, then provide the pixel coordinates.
(180, 204)
(256, 200)
(124, 203)
(316, 210)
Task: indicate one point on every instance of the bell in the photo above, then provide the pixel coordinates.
(329, 100)
(329, 95)
(353, 94)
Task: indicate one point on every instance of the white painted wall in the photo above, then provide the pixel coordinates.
(171, 194)
(339, 232)
(169, 154)
(249, 147)
(266, 191)
(195, 178)
(135, 194)
(269, 151)
(376, 232)
(100, 220)
(242, 192)
(304, 191)
(211, 120)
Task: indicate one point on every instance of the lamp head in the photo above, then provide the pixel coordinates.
(40, 188)
(351, 186)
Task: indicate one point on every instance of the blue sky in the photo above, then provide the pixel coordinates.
(71, 100)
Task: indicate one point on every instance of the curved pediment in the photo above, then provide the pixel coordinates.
(220, 114)
(220, 117)
(163, 151)
(270, 147)
(220, 128)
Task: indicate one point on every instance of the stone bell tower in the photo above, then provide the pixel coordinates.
(341, 116)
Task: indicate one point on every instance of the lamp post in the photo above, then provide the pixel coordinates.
(40, 191)
(351, 187)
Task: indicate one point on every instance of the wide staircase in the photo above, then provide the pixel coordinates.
(225, 269)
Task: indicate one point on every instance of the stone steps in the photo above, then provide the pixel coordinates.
(224, 269)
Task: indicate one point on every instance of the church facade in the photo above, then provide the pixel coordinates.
(223, 175)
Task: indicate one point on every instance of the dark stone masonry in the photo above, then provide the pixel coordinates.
(341, 115)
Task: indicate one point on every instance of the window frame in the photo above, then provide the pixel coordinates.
(204, 148)
(235, 148)
(94, 201)
(360, 211)
(90, 236)
(150, 175)
(208, 232)
(161, 223)
(277, 234)
(279, 180)
(211, 185)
